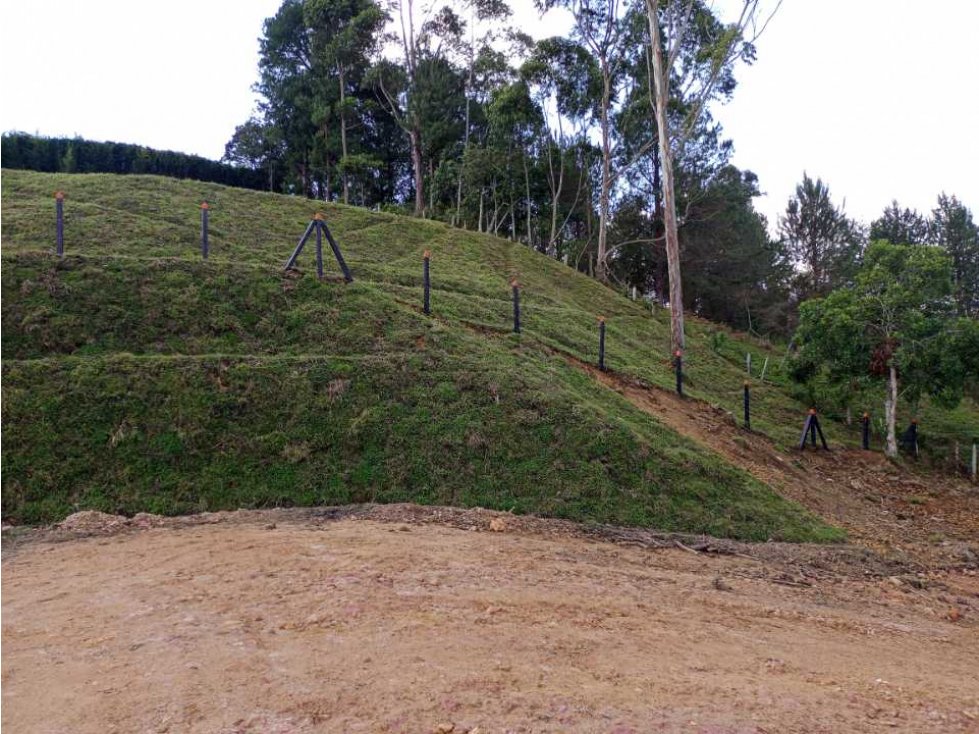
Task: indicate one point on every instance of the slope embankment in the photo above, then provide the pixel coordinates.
(137, 377)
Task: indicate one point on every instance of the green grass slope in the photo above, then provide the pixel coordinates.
(136, 377)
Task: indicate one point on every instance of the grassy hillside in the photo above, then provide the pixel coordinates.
(136, 377)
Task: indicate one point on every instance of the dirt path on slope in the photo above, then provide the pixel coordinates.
(932, 520)
(290, 621)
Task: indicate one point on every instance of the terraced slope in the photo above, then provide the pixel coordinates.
(136, 377)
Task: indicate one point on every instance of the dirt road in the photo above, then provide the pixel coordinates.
(288, 622)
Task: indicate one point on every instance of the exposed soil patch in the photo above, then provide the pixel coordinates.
(928, 520)
(307, 621)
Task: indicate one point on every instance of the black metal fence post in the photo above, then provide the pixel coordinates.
(318, 218)
(347, 275)
(516, 306)
(601, 343)
(865, 431)
(291, 262)
(810, 429)
(678, 364)
(426, 271)
(747, 405)
(204, 244)
(805, 429)
(59, 208)
(819, 428)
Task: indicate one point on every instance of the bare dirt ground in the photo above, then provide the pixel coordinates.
(409, 619)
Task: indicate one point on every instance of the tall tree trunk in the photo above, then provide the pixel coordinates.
(418, 166)
(496, 210)
(513, 215)
(555, 202)
(890, 413)
(304, 176)
(526, 178)
(343, 141)
(660, 281)
(605, 194)
(465, 147)
(555, 189)
(666, 163)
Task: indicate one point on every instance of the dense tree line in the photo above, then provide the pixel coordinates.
(444, 110)
(75, 155)
(447, 111)
(827, 247)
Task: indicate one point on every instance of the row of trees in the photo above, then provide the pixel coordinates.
(76, 155)
(826, 247)
(564, 144)
(596, 147)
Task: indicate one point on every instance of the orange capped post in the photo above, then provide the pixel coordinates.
(865, 431)
(678, 365)
(911, 437)
(516, 305)
(601, 343)
(427, 280)
(59, 210)
(205, 248)
(747, 405)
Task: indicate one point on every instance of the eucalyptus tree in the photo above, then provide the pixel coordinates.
(474, 54)
(681, 33)
(704, 155)
(478, 171)
(565, 80)
(256, 144)
(427, 38)
(516, 121)
(601, 27)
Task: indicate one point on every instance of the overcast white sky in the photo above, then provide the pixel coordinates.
(878, 97)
